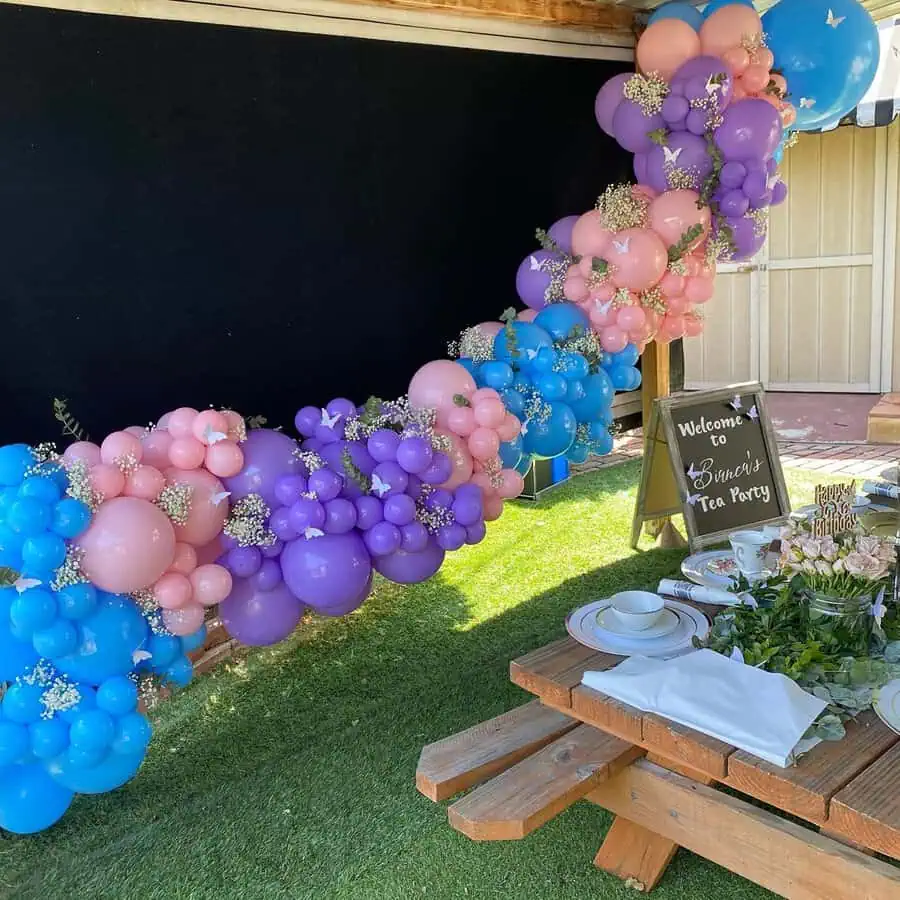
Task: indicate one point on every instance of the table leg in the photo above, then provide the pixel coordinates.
(636, 855)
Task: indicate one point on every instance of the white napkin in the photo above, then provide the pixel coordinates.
(686, 590)
(760, 712)
(882, 489)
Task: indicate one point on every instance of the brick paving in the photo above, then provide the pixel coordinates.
(856, 460)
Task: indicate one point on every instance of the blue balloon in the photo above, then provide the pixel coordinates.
(714, 5)
(573, 366)
(627, 356)
(45, 552)
(561, 319)
(496, 374)
(70, 517)
(30, 800)
(574, 392)
(620, 376)
(602, 444)
(87, 700)
(92, 729)
(109, 636)
(553, 436)
(524, 465)
(13, 742)
(528, 337)
(163, 650)
(578, 452)
(8, 496)
(468, 364)
(60, 639)
(16, 656)
(551, 386)
(112, 772)
(77, 600)
(49, 738)
(544, 361)
(32, 610)
(180, 672)
(22, 702)
(678, 10)
(636, 379)
(41, 488)
(511, 452)
(15, 460)
(598, 394)
(195, 641)
(831, 65)
(28, 516)
(117, 696)
(133, 733)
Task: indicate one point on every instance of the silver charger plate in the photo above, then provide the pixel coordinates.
(666, 624)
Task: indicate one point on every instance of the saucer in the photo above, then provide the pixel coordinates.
(666, 624)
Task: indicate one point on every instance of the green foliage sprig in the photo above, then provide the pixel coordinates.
(8, 577)
(659, 136)
(711, 182)
(353, 472)
(676, 251)
(70, 425)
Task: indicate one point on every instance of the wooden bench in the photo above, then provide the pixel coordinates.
(658, 778)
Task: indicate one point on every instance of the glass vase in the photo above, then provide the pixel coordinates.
(847, 621)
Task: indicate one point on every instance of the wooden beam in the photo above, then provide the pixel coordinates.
(782, 856)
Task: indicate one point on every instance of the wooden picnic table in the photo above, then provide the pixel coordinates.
(660, 780)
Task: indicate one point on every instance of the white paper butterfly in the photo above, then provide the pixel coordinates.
(622, 246)
(603, 305)
(23, 584)
(753, 413)
(213, 437)
(771, 181)
(807, 102)
(140, 655)
(216, 499)
(833, 20)
(329, 421)
(692, 472)
(736, 403)
(530, 353)
(524, 429)
(310, 533)
(712, 86)
(380, 487)
(671, 156)
(534, 264)
(693, 499)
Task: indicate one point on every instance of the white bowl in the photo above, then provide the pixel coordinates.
(637, 610)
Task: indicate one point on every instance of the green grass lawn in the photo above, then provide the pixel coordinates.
(290, 774)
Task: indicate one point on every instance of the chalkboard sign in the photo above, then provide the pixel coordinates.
(721, 450)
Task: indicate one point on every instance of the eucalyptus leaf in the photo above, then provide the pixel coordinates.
(892, 652)
(8, 576)
(829, 728)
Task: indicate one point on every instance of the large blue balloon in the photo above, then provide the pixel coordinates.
(558, 319)
(15, 656)
(554, 436)
(30, 800)
(112, 772)
(677, 9)
(598, 394)
(529, 339)
(828, 51)
(511, 452)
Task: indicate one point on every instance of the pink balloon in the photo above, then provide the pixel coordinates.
(641, 335)
(764, 57)
(693, 326)
(575, 287)
(181, 422)
(589, 237)
(676, 305)
(129, 544)
(437, 383)
(602, 314)
(699, 288)
(461, 420)
(172, 590)
(613, 339)
(692, 264)
(490, 412)
(603, 292)
(645, 191)
(672, 285)
(206, 516)
(187, 453)
(511, 485)
(738, 93)
(673, 213)
(145, 482)
(631, 318)
(755, 79)
(85, 451)
(120, 445)
(491, 329)
(237, 428)
(460, 459)
(208, 424)
(156, 446)
(211, 584)
(493, 507)
(509, 428)
(666, 45)
(224, 459)
(483, 480)
(484, 393)
(185, 560)
(728, 27)
(672, 327)
(184, 621)
(107, 480)
(210, 552)
(637, 256)
(137, 430)
(788, 114)
(483, 443)
(738, 59)
(526, 315)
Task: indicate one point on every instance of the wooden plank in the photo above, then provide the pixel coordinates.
(540, 787)
(463, 760)
(806, 789)
(611, 715)
(699, 751)
(635, 854)
(867, 810)
(551, 672)
(782, 856)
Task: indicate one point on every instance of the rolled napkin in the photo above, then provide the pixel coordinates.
(760, 712)
(698, 593)
(882, 489)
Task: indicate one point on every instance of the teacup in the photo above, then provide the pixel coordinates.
(751, 550)
(636, 610)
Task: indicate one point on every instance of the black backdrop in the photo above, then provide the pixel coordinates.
(200, 215)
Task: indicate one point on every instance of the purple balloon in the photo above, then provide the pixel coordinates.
(755, 185)
(608, 99)
(327, 434)
(413, 537)
(328, 571)
(532, 279)
(414, 455)
(452, 536)
(324, 484)
(281, 525)
(734, 203)
(439, 498)
(475, 533)
(382, 445)
(561, 232)
(340, 516)
(631, 127)
(732, 174)
(440, 469)
(690, 153)
(273, 551)
(747, 240)
(243, 561)
(333, 454)
(640, 167)
(259, 618)
(750, 129)
(312, 444)
(771, 165)
(675, 110)
(342, 407)
(369, 512)
(307, 419)
(779, 192)
(467, 509)
(269, 575)
(400, 509)
(341, 609)
(414, 487)
(696, 122)
(404, 567)
(763, 201)
(267, 456)
(305, 513)
(382, 539)
(692, 77)
(288, 488)
(391, 475)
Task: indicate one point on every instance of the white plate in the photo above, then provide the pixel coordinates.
(711, 568)
(887, 704)
(582, 625)
(666, 624)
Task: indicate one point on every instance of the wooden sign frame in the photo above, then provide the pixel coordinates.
(664, 486)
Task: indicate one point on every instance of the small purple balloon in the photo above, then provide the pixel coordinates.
(763, 201)
(312, 444)
(750, 129)
(732, 174)
(333, 454)
(243, 561)
(561, 232)
(269, 575)
(324, 484)
(746, 236)
(404, 567)
(467, 509)
(734, 203)
(685, 151)
(340, 516)
(755, 185)
(414, 487)
(632, 127)
(675, 110)
(382, 445)
(369, 512)
(382, 539)
(327, 571)
(267, 456)
(306, 513)
(342, 407)
(607, 102)
(451, 537)
(281, 524)
(400, 509)
(476, 533)
(702, 77)
(414, 455)
(389, 479)
(439, 498)
(779, 192)
(696, 121)
(273, 551)
(289, 488)
(307, 419)
(259, 618)
(413, 537)
(771, 165)
(533, 279)
(440, 469)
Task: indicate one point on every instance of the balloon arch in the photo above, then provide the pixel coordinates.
(111, 555)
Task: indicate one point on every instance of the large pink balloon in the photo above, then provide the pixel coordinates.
(665, 46)
(129, 545)
(490, 328)
(673, 213)
(206, 517)
(728, 27)
(437, 383)
(589, 237)
(638, 257)
(156, 445)
(460, 459)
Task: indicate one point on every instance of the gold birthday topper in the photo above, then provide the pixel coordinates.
(835, 509)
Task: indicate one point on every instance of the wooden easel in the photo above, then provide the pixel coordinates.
(659, 493)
